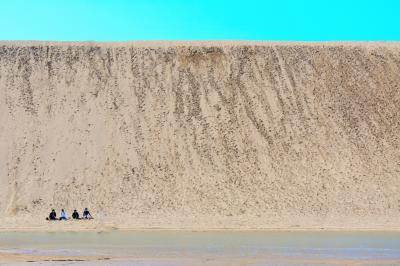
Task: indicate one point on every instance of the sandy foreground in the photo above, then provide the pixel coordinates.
(15, 259)
(200, 135)
(11, 257)
(20, 224)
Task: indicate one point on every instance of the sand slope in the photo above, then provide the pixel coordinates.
(201, 134)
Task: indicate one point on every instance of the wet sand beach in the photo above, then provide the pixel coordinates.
(199, 248)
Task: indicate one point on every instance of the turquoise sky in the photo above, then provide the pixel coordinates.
(118, 20)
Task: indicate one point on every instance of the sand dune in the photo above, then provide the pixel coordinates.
(201, 134)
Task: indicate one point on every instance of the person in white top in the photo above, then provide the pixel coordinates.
(63, 216)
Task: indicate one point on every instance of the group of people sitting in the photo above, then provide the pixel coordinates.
(75, 215)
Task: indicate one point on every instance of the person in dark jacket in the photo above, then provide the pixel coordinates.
(52, 215)
(86, 214)
(75, 215)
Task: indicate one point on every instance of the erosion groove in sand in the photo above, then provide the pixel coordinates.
(201, 135)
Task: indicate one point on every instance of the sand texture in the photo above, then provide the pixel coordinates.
(201, 135)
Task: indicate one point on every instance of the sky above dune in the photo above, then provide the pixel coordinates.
(119, 20)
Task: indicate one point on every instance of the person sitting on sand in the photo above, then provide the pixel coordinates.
(75, 215)
(86, 214)
(63, 216)
(52, 215)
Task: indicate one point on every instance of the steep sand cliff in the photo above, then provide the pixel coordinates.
(201, 134)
